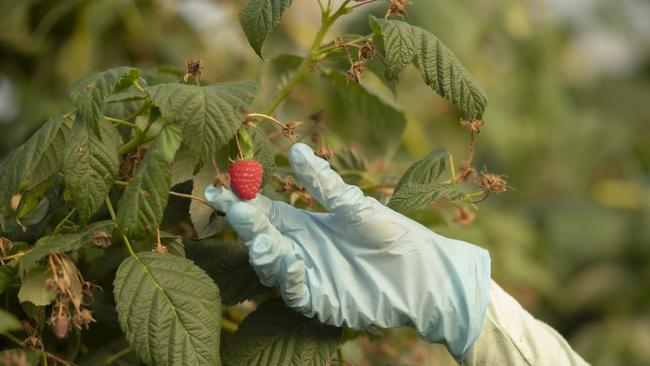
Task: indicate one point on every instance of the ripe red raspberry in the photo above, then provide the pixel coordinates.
(246, 178)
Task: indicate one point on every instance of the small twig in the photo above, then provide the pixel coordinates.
(192, 197)
(264, 116)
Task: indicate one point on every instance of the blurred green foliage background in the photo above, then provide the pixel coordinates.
(568, 122)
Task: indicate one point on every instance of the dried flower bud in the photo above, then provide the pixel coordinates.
(289, 129)
(83, 318)
(367, 52)
(463, 216)
(288, 184)
(221, 180)
(193, 68)
(5, 245)
(474, 125)
(492, 182)
(60, 320)
(397, 8)
(88, 291)
(325, 153)
(14, 358)
(317, 116)
(356, 72)
(160, 248)
(101, 239)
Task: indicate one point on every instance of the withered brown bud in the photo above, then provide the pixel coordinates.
(397, 7)
(221, 180)
(289, 129)
(474, 125)
(463, 216)
(5, 245)
(193, 68)
(492, 182)
(367, 52)
(317, 116)
(288, 184)
(325, 153)
(356, 72)
(83, 318)
(14, 358)
(60, 320)
(101, 239)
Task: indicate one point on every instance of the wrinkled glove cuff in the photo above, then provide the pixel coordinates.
(459, 325)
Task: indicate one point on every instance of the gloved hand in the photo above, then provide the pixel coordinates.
(361, 264)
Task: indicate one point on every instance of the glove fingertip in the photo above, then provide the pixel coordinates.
(220, 198)
(300, 154)
(242, 217)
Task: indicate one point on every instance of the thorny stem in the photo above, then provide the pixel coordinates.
(327, 19)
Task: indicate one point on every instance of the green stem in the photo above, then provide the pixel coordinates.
(339, 353)
(123, 123)
(109, 205)
(13, 338)
(312, 57)
(228, 326)
(60, 225)
(112, 358)
(140, 111)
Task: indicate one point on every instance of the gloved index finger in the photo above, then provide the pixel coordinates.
(323, 183)
(222, 198)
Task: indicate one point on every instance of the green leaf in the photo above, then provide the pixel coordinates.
(227, 264)
(263, 152)
(141, 208)
(440, 68)
(8, 322)
(418, 188)
(245, 143)
(31, 199)
(90, 166)
(276, 335)
(90, 93)
(383, 115)
(258, 18)
(169, 309)
(398, 43)
(426, 170)
(210, 115)
(206, 220)
(34, 288)
(7, 274)
(414, 196)
(64, 243)
(32, 162)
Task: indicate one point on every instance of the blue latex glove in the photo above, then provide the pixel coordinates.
(362, 264)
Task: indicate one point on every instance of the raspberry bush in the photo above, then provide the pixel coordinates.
(104, 190)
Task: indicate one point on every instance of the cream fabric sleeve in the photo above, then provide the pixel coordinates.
(511, 336)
